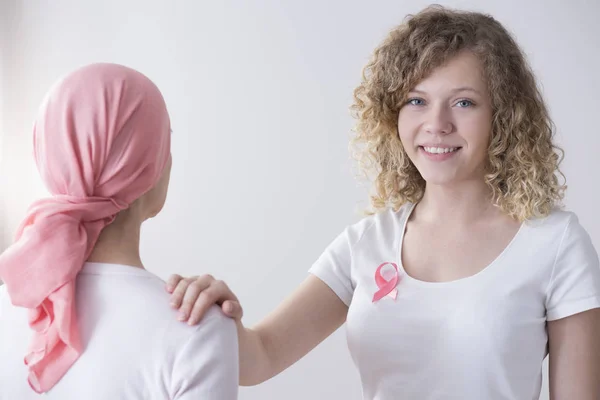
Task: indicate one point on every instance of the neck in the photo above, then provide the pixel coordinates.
(119, 242)
(462, 203)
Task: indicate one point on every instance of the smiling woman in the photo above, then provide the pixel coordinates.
(468, 273)
(445, 126)
(480, 87)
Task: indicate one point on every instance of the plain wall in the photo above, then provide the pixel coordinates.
(259, 93)
(4, 33)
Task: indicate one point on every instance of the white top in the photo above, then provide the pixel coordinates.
(134, 346)
(481, 337)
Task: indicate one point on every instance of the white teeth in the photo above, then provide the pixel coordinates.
(440, 150)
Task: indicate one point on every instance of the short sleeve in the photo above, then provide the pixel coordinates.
(333, 267)
(207, 366)
(575, 281)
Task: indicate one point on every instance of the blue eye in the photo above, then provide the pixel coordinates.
(415, 102)
(464, 103)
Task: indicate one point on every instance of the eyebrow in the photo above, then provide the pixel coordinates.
(456, 90)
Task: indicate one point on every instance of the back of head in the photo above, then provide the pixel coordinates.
(99, 130)
(101, 141)
(523, 160)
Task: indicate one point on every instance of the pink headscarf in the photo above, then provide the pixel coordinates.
(101, 140)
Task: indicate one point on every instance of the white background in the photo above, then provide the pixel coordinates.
(259, 93)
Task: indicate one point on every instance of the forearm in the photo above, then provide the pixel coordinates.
(255, 363)
(298, 325)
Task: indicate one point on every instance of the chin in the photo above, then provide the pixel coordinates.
(440, 179)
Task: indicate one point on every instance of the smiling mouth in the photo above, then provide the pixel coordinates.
(439, 150)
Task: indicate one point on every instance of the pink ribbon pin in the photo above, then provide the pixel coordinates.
(386, 287)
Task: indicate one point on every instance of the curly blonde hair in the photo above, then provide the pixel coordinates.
(523, 166)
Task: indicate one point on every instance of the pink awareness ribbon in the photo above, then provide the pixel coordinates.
(386, 288)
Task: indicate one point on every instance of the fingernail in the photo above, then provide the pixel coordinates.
(181, 316)
(228, 307)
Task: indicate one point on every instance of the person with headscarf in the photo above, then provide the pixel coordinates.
(80, 316)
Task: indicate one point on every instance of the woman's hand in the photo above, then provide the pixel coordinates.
(304, 319)
(193, 297)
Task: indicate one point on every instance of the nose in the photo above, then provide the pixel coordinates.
(438, 121)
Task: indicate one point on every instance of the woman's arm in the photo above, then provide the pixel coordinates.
(302, 321)
(575, 357)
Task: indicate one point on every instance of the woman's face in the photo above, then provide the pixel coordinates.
(445, 126)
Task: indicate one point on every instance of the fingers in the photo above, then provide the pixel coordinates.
(172, 282)
(179, 291)
(233, 309)
(193, 291)
(217, 293)
(194, 296)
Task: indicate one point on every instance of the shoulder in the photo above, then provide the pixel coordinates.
(564, 231)
(214, 321)
(574, 284)
(385, 223)
(137, 298)
(559, 225)
(212, 344)
(207, 364)
(554, 224)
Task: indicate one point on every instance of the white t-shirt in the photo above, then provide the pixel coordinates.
(481, 337)
(134, 346)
